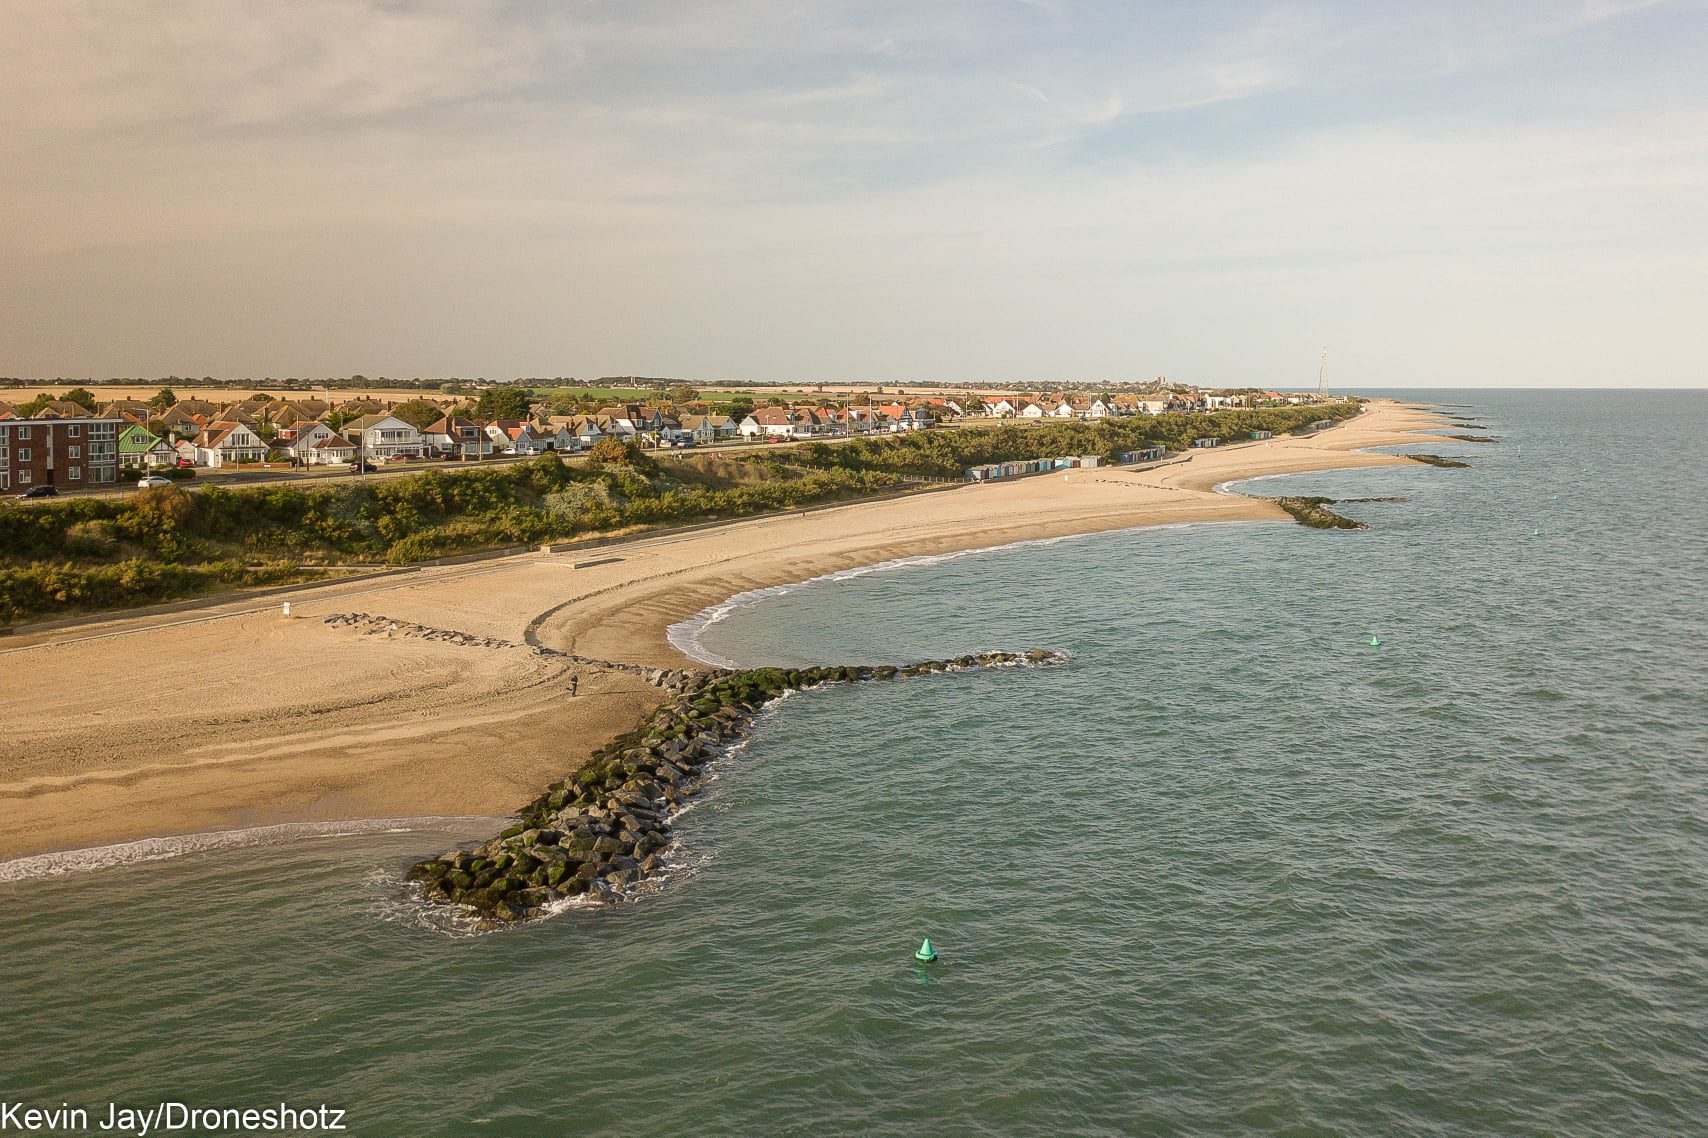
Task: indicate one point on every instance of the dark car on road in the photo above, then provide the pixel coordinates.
(361, 468)
(40, 492)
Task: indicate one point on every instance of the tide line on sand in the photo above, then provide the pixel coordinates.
(160, 849)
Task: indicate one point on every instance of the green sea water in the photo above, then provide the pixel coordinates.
(1231, 871)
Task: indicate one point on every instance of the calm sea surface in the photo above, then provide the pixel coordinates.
(1232, 871)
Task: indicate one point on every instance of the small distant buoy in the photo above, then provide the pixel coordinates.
(1537, 532)
(287, 608)
(1375, 642)
(926, 953)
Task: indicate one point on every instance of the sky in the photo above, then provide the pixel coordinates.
(1456, 194)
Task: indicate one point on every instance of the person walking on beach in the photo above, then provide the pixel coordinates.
(574, 684)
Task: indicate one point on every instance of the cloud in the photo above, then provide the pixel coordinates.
(878, 188)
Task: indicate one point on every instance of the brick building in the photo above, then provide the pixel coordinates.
(66, 453)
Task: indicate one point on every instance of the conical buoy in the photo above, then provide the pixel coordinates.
(1375, 642)
(926, 953)
(1536, 532)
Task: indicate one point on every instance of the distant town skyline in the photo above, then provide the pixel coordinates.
(1017, 192)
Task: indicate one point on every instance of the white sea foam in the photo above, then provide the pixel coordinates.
(161, 849)
(1223, 487)
(685, 635)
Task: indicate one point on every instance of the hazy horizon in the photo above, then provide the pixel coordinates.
(1011, 193)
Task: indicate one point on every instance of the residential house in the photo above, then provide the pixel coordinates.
(329, 450)
(455, 435)
(61, 451)
(300, 438)
(381, 435)
(201, 409)
(998, 407)
(181, 421)
(588, 430)
(632, 419)
(303, 408)
(141, 449)
(226, 443)
(1033, 410)
(557, 437)
(64, 409)
(781, 423)
(512, 436)
(131, 410)
(238, 413)
(710, 428)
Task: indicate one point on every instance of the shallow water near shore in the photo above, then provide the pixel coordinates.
(1232, 870)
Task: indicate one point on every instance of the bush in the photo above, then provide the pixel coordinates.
(95, 538)
(612, 451)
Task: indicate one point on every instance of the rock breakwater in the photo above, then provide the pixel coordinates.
(598, 834)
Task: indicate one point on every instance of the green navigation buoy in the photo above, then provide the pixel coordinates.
(1536, 532)
(1375, 642)
(926, 953)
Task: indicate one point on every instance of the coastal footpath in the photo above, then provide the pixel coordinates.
(236, 715)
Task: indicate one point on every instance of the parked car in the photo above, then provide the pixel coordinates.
(400, 458)
(185, 464)
(148, 481)
(361, 468)
(40, 492)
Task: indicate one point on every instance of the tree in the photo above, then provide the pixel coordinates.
(81, 396)
(564, 402)
(337, 419)
(35, 406)
(682, 393)
(739, 409)
(503, 403)
(418, 413)
(162, 401)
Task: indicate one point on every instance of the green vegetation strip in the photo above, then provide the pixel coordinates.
(162, 544)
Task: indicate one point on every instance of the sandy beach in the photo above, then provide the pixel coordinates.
(235, 716)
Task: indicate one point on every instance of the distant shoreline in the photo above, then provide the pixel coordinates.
(272, 721)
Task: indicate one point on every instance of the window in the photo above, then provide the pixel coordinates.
(76, 473)
(73, 431)
(23, 477)
(23, 432)
(74, 452)
(23, 454)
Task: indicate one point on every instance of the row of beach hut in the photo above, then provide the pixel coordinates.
(1000, 471)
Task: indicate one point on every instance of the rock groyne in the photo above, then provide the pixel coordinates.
(598, 834)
